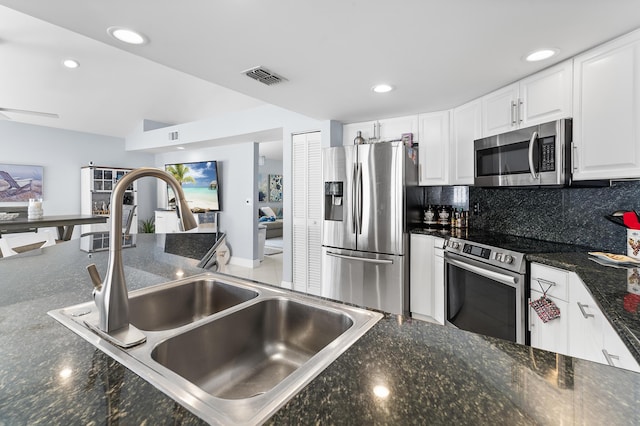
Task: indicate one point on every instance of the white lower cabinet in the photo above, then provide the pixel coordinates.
(438, 281)
(552, 335)
(426, 277)
(582, 331)
(586, 320)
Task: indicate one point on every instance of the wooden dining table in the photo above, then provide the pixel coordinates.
(64, 224)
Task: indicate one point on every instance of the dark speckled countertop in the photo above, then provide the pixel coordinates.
(608, 286)
(433, 374)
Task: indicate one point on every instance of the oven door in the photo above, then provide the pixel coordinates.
(484, 299)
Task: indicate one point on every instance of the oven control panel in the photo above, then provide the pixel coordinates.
(496, 256)
(477, 251)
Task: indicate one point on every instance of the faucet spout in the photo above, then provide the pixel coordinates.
(112, 298)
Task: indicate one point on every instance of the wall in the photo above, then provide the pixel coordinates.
(237, 171)
(270, 167)
(568, 215)
(269, 123)
(62, 153)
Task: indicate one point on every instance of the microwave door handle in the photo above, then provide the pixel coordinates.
(532, 168)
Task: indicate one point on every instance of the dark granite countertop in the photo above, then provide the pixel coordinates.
(608, 286)
(433, 374)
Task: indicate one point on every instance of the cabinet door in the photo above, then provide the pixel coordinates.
(552, 335)
(606, 129)
(393, 128)
(615, 352)
(585, 337)
(433, 154)
(350, 131)
(499, 111)
(438, 285)
(467, 127)
(386, 130)
(421, 275)
(546, 96)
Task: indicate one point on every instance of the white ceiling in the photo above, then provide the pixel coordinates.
(438, 54)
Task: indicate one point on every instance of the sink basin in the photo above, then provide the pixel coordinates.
(229, 350)
(183, 303)
(263, 344)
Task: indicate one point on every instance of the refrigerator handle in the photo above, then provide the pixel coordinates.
(362, 259)
(359, 198)
(353, 197)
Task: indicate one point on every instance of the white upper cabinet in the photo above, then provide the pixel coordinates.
(542, 97)
(499, 111)
(435, 141)
(606, 125)
(546, 95)
(467, 127)
(385, 130)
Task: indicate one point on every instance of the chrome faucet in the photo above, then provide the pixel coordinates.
(111, 296)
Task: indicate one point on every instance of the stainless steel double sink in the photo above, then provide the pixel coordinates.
(229, 350)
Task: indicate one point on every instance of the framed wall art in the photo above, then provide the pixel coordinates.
(275, 188)
(19, 182)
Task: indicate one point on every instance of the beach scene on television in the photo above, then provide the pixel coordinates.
(199, 182)
(20, 183)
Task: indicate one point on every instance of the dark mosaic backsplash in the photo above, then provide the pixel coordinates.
(567, 215)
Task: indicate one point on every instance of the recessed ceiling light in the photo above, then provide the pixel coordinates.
(71, 63)
(180, 147)
(541, 54)
(127, 36)
(382, 88)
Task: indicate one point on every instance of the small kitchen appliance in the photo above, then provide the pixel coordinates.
(533, 156)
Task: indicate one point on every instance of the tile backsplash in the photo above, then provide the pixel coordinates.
(567, 215)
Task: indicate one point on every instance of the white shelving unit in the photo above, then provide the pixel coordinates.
(97, 184)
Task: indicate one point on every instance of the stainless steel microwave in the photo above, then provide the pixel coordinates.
(532, 156)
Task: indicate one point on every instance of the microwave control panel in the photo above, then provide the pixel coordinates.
(548, 154)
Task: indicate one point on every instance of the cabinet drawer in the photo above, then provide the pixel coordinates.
(556, 280)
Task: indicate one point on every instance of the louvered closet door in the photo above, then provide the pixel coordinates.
(307, 196)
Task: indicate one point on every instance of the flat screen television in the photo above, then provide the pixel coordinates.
(200, 184)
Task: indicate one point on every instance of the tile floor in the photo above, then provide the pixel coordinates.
(269, 271)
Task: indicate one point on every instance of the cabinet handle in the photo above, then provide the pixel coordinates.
(513, 113)
(574, 157)
(546, 282)
(610, 358)
(584, 313)
(520, 110)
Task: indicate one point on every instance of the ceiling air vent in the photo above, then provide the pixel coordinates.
(264, 76)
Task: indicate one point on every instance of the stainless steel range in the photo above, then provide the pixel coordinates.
(485, 288)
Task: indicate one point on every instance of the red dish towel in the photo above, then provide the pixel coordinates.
(545, 308)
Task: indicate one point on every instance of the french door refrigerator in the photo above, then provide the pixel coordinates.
(364, 238)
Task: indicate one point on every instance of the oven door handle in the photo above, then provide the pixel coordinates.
(532, 168)
(496, 276)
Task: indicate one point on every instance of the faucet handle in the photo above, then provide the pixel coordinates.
(95, 276)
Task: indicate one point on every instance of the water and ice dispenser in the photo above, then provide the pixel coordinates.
(333, 200)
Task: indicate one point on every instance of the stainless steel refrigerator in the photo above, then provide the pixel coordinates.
(364, 238)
